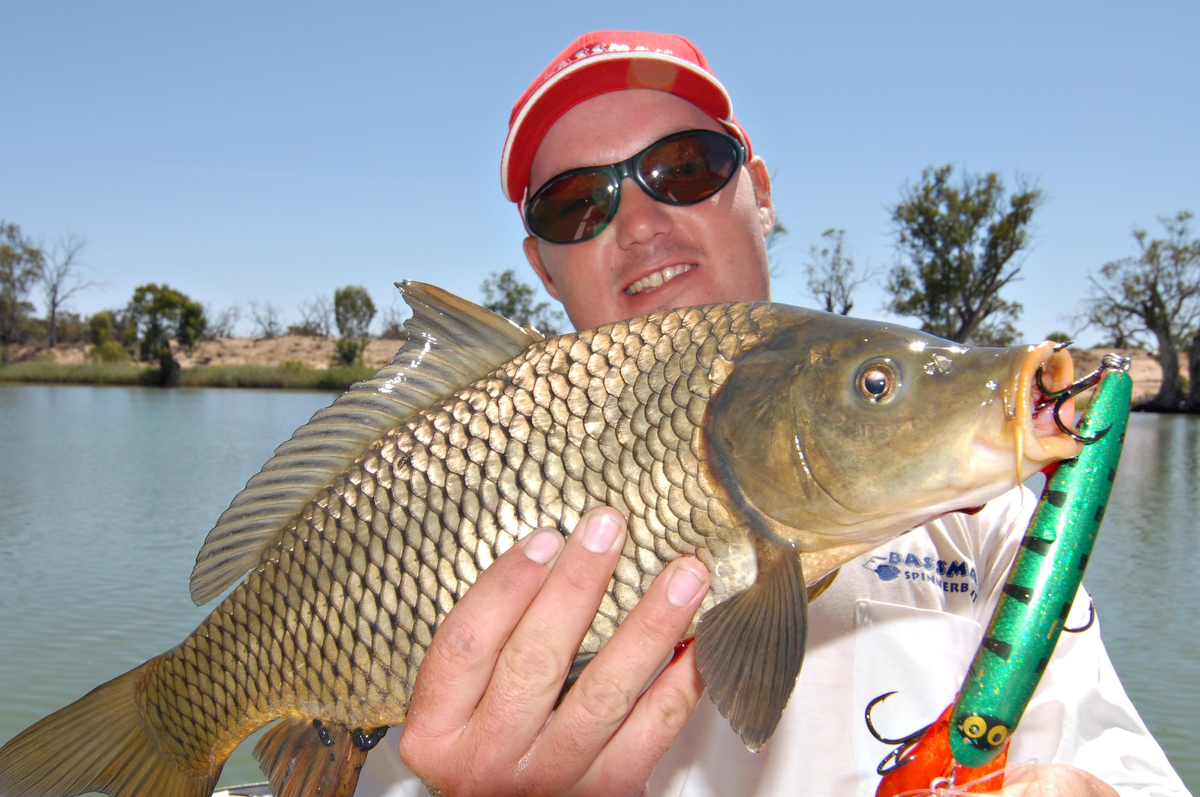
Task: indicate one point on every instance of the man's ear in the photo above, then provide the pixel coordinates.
(534, 255)
(761, 179)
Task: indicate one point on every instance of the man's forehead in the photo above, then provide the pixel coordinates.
(611, 127)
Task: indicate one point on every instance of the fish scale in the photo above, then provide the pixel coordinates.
(552, 452)
(699, 425)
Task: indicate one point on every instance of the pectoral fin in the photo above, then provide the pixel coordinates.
(749, 647)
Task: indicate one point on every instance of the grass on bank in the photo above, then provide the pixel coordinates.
(287, 376)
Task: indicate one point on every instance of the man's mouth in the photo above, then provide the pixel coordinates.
(656, 279)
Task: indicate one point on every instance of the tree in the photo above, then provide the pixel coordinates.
(316, 318)
(353, 311)
(266, 320)
(21, 265)
(1156, 293)
(831, 273)
(156, 316)
(61, 279)
(221, 324)
(774, 239)
(508, 296)
(960, 242)
(393, 323)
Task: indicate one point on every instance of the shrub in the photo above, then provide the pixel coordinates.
(347, 351)
(110, 352)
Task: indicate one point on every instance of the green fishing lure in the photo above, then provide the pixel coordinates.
(1043, 582)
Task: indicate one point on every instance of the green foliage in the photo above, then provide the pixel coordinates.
(1154, 295)
(508, 296)
(157, 315)
(292, 365)
(347, 351)
(51, 373)
(110, 351)
(252, 376)
(304, 328)
(1059, 337)
(21, 266)
(353, 311)
(260, 376)
(102, 328)
(960, 242)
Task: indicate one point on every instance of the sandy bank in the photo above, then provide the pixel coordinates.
(318, 353)
(314, 352)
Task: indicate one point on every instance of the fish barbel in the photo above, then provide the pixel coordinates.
(772, 443)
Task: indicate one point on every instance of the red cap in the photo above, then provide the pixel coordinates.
(597, 63)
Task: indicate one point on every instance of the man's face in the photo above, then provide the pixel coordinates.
(713, 251)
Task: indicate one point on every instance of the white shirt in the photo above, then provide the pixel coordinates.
(909, 617)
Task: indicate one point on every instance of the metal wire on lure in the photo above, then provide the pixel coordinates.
(1110, 362)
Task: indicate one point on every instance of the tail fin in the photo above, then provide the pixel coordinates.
(98, 743)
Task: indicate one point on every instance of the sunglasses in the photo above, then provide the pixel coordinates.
(681, 169)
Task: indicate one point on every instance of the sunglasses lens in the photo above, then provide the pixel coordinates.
(689, 168)
(573, 207)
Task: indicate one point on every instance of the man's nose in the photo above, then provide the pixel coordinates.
(640, 217)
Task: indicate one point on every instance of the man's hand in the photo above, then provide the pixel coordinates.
(482, 719)
(1057, 780)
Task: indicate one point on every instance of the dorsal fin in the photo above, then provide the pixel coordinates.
(451, 343)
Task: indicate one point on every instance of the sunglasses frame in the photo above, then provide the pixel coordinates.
(630, 167)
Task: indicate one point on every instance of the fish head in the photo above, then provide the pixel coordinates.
(838, 433)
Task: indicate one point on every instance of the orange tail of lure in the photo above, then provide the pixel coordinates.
(927, 763)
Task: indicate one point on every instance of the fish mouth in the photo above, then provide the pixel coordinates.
(1039, 440)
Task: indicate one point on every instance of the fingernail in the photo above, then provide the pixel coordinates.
(542, 546)
(683, 587)
(601, 532)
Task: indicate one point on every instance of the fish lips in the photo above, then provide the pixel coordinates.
(1039, 441)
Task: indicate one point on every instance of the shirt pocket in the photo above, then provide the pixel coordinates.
(919, 654)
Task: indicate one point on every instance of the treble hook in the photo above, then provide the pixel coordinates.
(1110, 362)
(1088, 624)
(903, 745)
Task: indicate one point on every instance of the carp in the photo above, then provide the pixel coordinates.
(772, 443)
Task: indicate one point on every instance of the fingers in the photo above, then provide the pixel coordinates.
(601, 700)
(459, 662)
(1052, 780)
(629, 758)
(529, 672)
(482, 712)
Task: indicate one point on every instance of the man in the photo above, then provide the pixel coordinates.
(616, 243)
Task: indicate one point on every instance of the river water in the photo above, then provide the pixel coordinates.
(107, 493)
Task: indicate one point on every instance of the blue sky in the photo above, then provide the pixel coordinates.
(273, 152)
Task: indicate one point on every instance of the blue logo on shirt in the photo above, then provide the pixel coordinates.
(950, 577)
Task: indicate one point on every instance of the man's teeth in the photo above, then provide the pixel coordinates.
(658, 278)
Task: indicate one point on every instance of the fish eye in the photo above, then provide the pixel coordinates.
(877, 381)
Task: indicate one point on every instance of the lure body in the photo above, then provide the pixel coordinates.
(1032, 611)
(1042, 584)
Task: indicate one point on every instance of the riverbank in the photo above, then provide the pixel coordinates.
(301, 362)
(287, 362)
(292, 377)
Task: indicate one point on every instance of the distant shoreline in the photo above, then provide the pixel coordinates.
(286, 377)
(306, 363)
